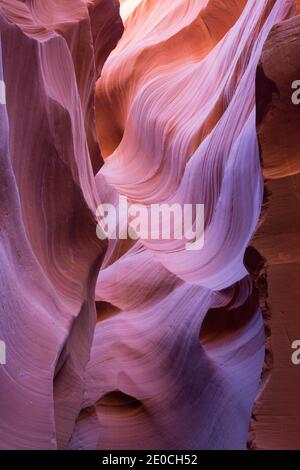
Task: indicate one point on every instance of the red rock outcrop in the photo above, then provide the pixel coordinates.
(277, 413)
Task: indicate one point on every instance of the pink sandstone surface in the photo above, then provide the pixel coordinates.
(142, 344)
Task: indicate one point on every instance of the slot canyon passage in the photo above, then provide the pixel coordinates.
(139, 343)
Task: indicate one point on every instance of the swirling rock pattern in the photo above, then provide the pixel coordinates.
(135, 344)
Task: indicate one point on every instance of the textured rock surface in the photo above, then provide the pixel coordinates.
(277, 423)
(50, 255)
(141, 344)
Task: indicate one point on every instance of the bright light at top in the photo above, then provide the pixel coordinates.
(127, 7)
